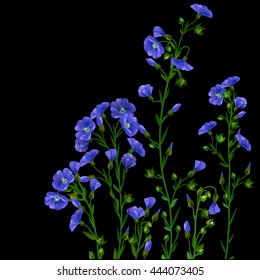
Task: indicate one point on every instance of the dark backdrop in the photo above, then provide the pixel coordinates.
(65, 59)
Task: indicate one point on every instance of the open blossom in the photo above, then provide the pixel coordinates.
(84, 128)
(213, 208)
(98, 111)
(94, 184)
(243, 142)
(199, 165)
(181, 64)
(202, 10)
(62, 179)
(153, 47)
(81, 145)
(128, 160)
(207, 127)
(158, 32)
(120, 107)
(145, 90)
(129, 124)
(216, 94)
(136, 212)
(230, 81)
(240, 102)
(56, 201)
(149, 202)
(88, 157)
(75, 219)
(136, 146)
(111, 154)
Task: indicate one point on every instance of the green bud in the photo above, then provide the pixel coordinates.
(166, 56)
(192, 185)
(181, 20)
(158, 189)
(163, 257)
(164, 215)
(204, 213)
(170, 113)
(221, 118)
(150, 173)
(200, 191)
(157, 66)
(191, 173)
(92, 163)
(166, 237)
(234, 125)
(149, 224)
(203, 198)
(91, 195)
(155, 217)
(208, 194)
(178, 228)
(181, 82)
(220, 138)
(110, 165)
(187, 234)
(146, 230)
(198, 29)
(101, 128)
(168, 48)
(168, 37)
(174, 176)
(248, 183)
(200, 251)
(128, 198)
(205, 148)
(210, 223)
(144, 254)
(203, 231)
(229, 106)
(147, 135)
(91, 255)
(101, 251)
(152, 145)
(215, 197)
(227, 93)
(233, 175)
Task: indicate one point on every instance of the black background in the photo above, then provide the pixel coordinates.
(66, 58)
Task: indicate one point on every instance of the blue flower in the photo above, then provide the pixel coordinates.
(88, 157)
(202, 10)
(145, 90)
(207, 127)
(136, 146)
(98, 111)
(216, 95)
(243, 142)
(81, 145)
(84, 128)
(129, 124)
(56, 201)
(199, 165)
(186, 226)
(153, 47)
(74, 166)
(230, 81)
(149, 202)
(75, 202)
(213, 208)
(151, 62)
(120, 107)
(128, 160)
(158, 32)
(62, 179)
(111, 154)
(176, 107)
(136, 212)
(181, 64)
(75, 219)
(148, 245)
(241, 114)
(94, 184)
(240, 102)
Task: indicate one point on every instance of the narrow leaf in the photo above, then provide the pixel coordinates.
(173, 202)
(89, 235)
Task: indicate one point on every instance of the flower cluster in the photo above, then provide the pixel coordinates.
(111, 141)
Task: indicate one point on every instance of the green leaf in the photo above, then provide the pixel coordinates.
(112, 194)
(225, 205)
(224, 164)
(157, 119)
(164, 198)
(165, 133)
(89, 235)
(233, 216)
(173, 202)
(222, 245)
(116, 188)
(189, 256)
(167, 228)
(230, 239)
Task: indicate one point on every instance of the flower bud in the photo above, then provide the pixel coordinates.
(221, 117)
(164, 215)
(166, 56)
(166, 237)
(101, 128)
(205, 148)
(210, 223)
(203, 231)
(168, 48)
(158, 189)
(178, 228)
(91, 255)
(181, 20)
(174, 176)
(152, 145)
(91, 195)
